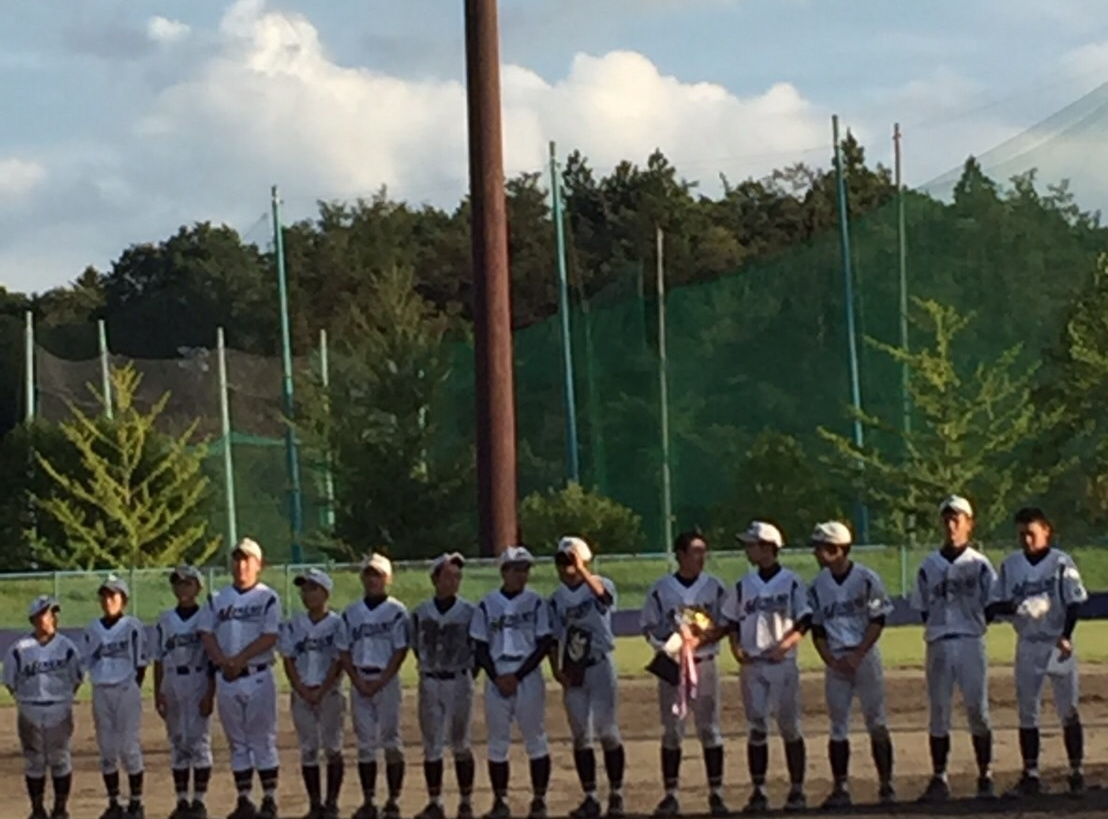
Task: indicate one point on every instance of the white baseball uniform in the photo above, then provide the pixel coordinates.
(113, 652)
(186, 679)
(444, 651)
(42, 679)
(1041, 592)
(842, 610)
(513, 627)
(314, 649)
(247, 705)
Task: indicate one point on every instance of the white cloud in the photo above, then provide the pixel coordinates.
(164, 30)
(18, 177)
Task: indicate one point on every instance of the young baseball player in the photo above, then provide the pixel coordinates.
(184, 686)
(768, 608)
(374, 643)
(114, 653)
(954, 587)
(444, 651)
(309, 645)
(239, 627)
(849, 606)
(671, 600)
(511, 630)
(1041, 589)
(581, 616)
(43, 672)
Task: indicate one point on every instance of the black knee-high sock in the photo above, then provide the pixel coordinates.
(983, 752)
(584, 760)
(200, 779)
(838, 750)
(1029, 748)
(881, 746)
(62, 786)
(1074, 737)
(134, 784)
(36, 789)
(394, 777)
(499, 774)
(367, 775)
(244, 781)
(312, 783)
(540, 775)
(111, 785)
(757, 761)
(940, 753)
(336, 771)
(181, 782)
(614, 762)
(796, 760)
(713, 767)
(671, 767)
(432, 775)
(465, 770)
(269, 778)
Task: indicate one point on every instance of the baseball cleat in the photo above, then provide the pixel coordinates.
(886, 794)
(268, 810)
(136, 811)
(615, 806)
(538, 808)
(367, 811)
(198, 810)
(716, 805)
(330, 811)
(985, 788)
(669, 806)
(432, 811)
(1027, 786)
(838, 800)
(795, 800)
(937, 791)
(499, 810)
(182, 811)
(757, 803)
(38, 812)
(59, 813)
(588, 809)
(1076, 783)
(465, 810)
(392, 810)
(314, 812)
(244, 809)
(113, 811)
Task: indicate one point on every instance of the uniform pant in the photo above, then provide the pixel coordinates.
(593, 704)
(117, 716)
(189, 732)
(319, 726)
(705, 708)
(958, 661)
(377, 720)
(868, 683)
(248, 711)
(1032, 659)
(527, 707)
(46, 736)
(445, 715)
(771, 690)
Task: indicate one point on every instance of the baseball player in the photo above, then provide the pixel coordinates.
(239, 627)
(672, 600)
(953, 590)
(511, 629)
(1041, 589)
(374, 643)
(114, 652)
(43, 672)
(309, 645)
(849, 606)
(184, 686)
(444, 651)
(768, 609)
(581, 617)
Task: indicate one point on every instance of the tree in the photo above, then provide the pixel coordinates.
(546, 517)
(973, 427)
(136, 499)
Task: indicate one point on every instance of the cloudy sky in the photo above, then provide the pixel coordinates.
(124, 119)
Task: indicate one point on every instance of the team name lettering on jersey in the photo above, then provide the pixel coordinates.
(764, 611)
(238, 617)
(953, 594)
(512, 626)
(374, 635)
(1052, 581)
(43, 673)
(441, 639)
(844, 607)
(669, 596)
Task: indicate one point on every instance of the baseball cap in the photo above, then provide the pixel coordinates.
(832, 533)
(457, 558)
(317, 576)
(116, 584)
(185, 572)
(761, 532)
(516, 554)
(248, 547)
(956, 503)
(575, 545)
(43, 602)
(377, 563)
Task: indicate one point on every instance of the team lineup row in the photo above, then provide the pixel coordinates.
(218, 657)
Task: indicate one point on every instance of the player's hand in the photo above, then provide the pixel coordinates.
(232, 667)
(160, 705)
(741, 657)
(506, 684)
(207, 705)
(562, 678)
(853, 660)
(367, 688)
(1065, 649)
(777, 654)
(842, 665)
(312, 695)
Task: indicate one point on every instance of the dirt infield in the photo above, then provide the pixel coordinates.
(639, 718)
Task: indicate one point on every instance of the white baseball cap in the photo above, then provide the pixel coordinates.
(832, 533)
(457, 558)
(248, 547)
(116, 584)
(185, 572)
(575, 545)
(377, 563)
(317, 576)
(956, 503)
(516, 554)
(43, 602)
(761, 532)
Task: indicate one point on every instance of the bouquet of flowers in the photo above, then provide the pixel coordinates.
(676, 662)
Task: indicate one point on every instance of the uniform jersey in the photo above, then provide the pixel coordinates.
(114, 653)
(237, 617)
(512, 627)
(440, 639)
(177, 641)
(373, 634)
(953, 594)
(37, 673)
(1054, 580)
(312, 647)
(764, 611)
(578, 607)
(845, 607)
(669, 596)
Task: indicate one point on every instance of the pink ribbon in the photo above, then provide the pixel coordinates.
(686, 685)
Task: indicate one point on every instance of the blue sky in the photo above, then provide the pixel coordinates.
(124, 120)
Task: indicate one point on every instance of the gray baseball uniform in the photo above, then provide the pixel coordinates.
(444, 651)
(313, 647)
(113, 653)
(185, 683)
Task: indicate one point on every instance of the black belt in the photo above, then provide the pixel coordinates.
(42, 703)
(442, 675)
(248, 671)
(699, 660)
(370, 669)
(184, 670)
